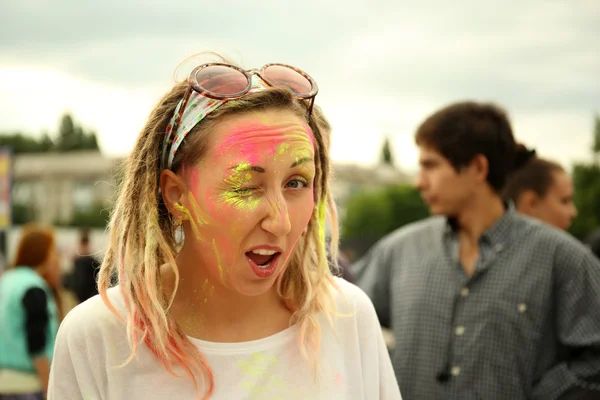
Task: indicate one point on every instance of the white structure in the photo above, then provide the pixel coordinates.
(56, 185)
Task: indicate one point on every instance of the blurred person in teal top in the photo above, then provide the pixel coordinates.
(29, 316)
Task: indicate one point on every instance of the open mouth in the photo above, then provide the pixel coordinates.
(262, 258)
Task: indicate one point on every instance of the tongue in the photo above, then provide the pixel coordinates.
(258, 258)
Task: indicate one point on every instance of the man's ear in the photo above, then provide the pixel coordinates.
(479, 168)
(172, 190)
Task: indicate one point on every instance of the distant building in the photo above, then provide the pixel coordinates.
(56, 185)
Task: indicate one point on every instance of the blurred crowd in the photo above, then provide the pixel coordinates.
(35, 296)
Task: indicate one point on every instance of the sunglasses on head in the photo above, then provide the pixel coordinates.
(212, 85)
(227, 82)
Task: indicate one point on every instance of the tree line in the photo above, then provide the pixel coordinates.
(71, 136)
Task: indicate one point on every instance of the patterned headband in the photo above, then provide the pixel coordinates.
(197, 108)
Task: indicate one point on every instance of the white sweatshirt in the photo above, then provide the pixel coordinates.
(355, 365)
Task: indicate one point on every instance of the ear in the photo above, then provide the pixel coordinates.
(527, 202)
(173, 190)
(480, 168)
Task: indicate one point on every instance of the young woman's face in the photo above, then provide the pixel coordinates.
(250, 198)
(557, 207)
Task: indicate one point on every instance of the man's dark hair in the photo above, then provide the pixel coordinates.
(464, 130)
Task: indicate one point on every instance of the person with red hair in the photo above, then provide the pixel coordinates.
(29, 316)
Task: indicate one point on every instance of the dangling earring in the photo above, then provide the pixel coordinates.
(176, 221)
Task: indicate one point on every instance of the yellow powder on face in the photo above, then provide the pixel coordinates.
(197, 212)
(237, 196)
(219, 266)
(195, 216)
(191, 218)
(282, 149)
(297, 152)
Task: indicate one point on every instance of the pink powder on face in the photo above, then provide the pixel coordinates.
(250, 139)
(193, 177)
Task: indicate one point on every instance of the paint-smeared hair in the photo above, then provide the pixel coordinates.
(142, 237)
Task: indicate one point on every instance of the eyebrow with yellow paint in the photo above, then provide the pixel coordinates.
(256, 168)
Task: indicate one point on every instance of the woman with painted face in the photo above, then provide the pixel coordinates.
(29, 315)
(242, 304)
(541, 189)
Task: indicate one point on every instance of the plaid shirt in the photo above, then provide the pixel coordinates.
(526, 325)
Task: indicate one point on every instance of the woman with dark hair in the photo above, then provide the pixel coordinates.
(541, 189)
(29, 316)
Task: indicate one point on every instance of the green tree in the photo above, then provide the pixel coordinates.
(73, 137)
(596, 142)
(96, 216)
(90, 142)
(20, 143)
(586, 181)
(46, 143)
(387, 156)
(70, 137)
(373, 214)
(22, 213)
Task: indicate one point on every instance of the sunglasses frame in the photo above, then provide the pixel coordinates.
(194, 85)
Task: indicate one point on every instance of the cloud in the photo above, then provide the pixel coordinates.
(382, 66)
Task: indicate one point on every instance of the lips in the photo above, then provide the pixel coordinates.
(263, 260)
(265, 271)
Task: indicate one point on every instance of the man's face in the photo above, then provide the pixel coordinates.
(443, 189)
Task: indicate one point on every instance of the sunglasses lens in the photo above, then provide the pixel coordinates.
(222, 80)
(283, 76)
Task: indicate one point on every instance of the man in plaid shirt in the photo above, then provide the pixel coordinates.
(484, 303)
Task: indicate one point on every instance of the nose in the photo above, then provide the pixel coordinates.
(277, 220)
(419, 181)
(573, 211)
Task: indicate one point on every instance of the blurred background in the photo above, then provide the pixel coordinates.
(78, 79)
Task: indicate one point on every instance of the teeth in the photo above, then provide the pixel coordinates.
(264, 252)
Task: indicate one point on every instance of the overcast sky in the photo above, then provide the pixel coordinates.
(381, 66)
